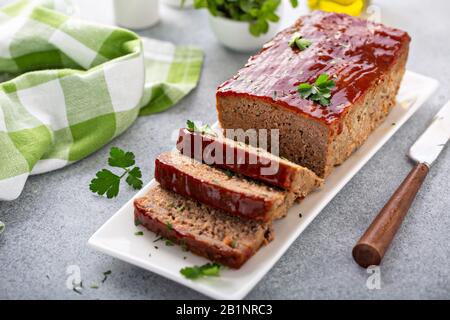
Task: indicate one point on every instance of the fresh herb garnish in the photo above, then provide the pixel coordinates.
(207, 270)
(205, 129)
(2, 227)
(319, 92)
(229, 173)
(169, 243)
(169, 226)
(139, 233)
(297, 41)
(94, 286)
(274, 95)
(108, 182)
(105, 275)
(234, 244)
(77, 290)
(180, 208)
(137, 222)
(258, 13)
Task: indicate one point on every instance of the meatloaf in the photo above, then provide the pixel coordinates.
(222, 190)
(205, 231)
(255, 163)
(366, 60)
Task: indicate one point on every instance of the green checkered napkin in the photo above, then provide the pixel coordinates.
(72, 86)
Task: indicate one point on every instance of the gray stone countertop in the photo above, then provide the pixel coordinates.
(49, 225)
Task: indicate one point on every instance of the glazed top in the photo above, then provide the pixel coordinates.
(353, 51)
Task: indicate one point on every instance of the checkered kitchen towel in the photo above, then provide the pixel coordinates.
(72, 86)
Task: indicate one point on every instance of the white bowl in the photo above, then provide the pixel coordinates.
(236, 35)
(177, 3)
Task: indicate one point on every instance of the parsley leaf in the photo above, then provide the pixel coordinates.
(134, 178)
(105, 182)
(190, 125)
(108, 183)
(229, 173)
(195, 272)
(205, 129)
(319, 92)
(120, 159)
(297, 41)
(2, 227)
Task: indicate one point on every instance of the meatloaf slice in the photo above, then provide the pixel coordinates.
(366, 60)
(255, 163)
(219, 189)
(203, 230)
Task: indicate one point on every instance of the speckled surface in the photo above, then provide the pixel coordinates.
(49, 225)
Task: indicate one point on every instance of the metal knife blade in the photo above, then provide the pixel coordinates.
(430, 144)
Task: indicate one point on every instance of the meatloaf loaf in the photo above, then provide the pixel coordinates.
(203, 230)
(255, 163)
(222, 190)
(366, 60)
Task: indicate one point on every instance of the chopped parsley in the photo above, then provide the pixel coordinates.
(183, 245)
(319, 92)
(105, 275)
(169, 243)
(229, 173)
(139, 233)
(207, 270)
(108, 183)
(205, 129)
(169, 226)
(77, 290)
(180, 208)
(94, 286)
(297, 41)
(2, 227)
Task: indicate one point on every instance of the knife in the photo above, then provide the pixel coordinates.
(372, 246)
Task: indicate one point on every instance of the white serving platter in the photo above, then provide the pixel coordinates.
(117, 236)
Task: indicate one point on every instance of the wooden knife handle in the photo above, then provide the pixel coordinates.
(373, 244)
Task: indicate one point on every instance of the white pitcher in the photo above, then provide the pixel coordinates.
(136, 14)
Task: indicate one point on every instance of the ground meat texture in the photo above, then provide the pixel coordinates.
(365, 59)
(244, 159)
(234, 194)
(203, 230)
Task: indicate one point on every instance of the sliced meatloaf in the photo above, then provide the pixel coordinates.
(255, 163)
(219, 189)
(366, 60)
(203, 230)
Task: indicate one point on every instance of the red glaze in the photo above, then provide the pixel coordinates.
(197, 146)
(355, 52)
(249, 206)
(233, 258)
